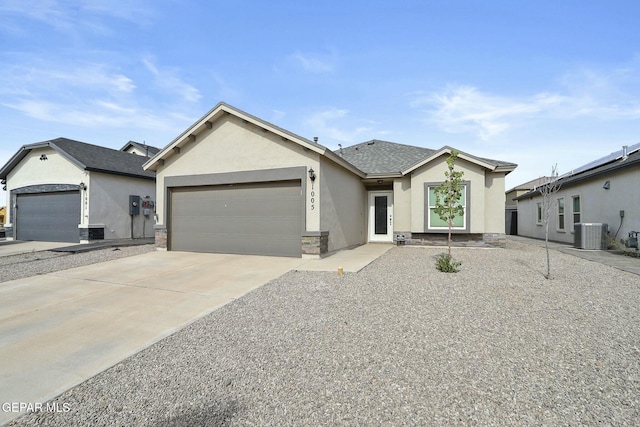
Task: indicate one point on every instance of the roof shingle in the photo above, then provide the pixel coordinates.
(383, 157)
(89, 157)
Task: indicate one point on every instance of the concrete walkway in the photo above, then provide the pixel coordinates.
(350, 260)
(59, 329)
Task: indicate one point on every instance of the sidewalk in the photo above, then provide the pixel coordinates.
(611, 258)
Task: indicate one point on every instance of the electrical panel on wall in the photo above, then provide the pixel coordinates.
(134, 205)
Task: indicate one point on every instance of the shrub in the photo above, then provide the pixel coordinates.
(446, 264)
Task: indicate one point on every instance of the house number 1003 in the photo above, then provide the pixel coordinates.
(313, 200)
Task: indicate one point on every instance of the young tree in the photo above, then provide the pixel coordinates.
(547, 191)
(449, 206)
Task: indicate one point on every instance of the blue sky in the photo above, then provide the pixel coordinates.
(530, 82)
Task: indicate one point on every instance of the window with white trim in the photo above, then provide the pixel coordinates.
(577, 210)
(560, 222)
(539, 213)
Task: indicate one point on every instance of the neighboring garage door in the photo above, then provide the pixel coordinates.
(48, 217)
(256, 218)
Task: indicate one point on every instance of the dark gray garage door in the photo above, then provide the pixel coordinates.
(48, 217)
(257, 218)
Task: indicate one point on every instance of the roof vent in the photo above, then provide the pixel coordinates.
(315, 139)
(625, 152)
(371, 142)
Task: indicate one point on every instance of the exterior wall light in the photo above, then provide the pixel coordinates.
(606, 185)
(312, 175)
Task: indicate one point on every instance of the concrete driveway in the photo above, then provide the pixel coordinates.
(59, 329)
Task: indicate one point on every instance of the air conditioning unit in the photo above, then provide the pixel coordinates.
(590, 235)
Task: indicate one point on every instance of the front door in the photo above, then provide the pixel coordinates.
(381, 216)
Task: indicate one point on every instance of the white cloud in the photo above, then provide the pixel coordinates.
(75, 16)
(466, 109)
(94, 95)
(91, 114)
(41, 76)
(168, 79)
(278, 115)
(314, 63)
(584, 94)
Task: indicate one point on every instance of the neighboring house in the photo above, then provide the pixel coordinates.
(2, 215)
(69, 191)
(603, 191)
(233, 183)
(140, 149)
(511, 207)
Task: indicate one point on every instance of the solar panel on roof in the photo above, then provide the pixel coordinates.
(606, 159)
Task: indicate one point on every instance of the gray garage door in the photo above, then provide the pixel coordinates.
(48, 217)
(257, 218)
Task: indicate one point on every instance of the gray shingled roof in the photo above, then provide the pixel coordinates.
(89, 157)
(383, 157)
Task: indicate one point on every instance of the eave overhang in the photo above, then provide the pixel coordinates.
(221, 110)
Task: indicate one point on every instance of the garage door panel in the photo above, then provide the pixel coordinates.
(241, 226)
(52, 217)
(237, 244)
(256, 218)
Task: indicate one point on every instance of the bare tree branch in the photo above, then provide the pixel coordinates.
(548, 190)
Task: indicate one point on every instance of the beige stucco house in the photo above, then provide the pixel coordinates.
(69, 191)
(604, 191)
(234, 183)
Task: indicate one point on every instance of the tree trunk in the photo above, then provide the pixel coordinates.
(546, 246)
(449, 238)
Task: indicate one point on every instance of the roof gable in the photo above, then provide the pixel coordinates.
(492, 165)
(143, 148)
(221, 110)
(87, 157)
(384, 158)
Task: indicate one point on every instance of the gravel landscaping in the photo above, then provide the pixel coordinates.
(33, 263)
(395, 344)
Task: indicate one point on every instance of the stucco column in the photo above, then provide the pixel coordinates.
(313, 198)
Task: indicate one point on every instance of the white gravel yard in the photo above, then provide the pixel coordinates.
(33, 263)
(398, 343)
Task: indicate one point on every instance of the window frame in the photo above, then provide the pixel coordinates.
(575, 197)
(467, 209)
(539, 210)
(561, 216)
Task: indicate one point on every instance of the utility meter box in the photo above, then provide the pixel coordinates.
(134, 205)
